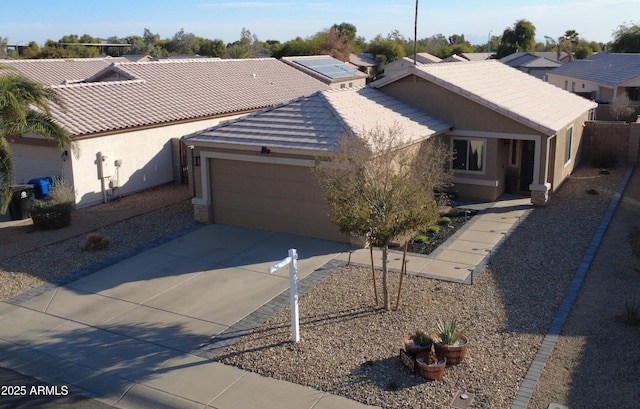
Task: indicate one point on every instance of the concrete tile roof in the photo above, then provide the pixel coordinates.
(529, 60)
(506, 90)
(57, 71)
(150, 93)
(611, 69)
(315, 122)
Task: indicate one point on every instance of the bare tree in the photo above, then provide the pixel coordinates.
(620, 107)
(381, 189)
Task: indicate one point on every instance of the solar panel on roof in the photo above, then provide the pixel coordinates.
(329, 67)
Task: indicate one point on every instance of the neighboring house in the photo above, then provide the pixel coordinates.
(397, 66)
(601, 77)
(508, 130)
(329, 70)
(531, 63)
(477, 56)
(126, 118)
(257, 171)
(365, 63)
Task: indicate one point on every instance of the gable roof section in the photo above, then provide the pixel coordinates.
(505, 90)
(167, 91)
(611, 69)
(529, 60)
(315, 123)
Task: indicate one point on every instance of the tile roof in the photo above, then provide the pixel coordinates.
(506, 90)
(57, 71)
(316, 122)
(150, 93)
(529, 60)
(612, 69)
(325, 68)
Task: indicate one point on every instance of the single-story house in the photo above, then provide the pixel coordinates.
(127, 117)
(396, 66)
(329, 70)
(365, 62)
(531, 63)
(257, 171)
(508, 131)
(601, 77)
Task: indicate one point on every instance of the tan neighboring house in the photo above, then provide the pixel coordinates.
(257, 171)
(536, 64)
(507, 130)
(127, 117)
(601, 77)
(331, 71)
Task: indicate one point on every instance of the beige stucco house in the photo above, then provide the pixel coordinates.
(508, 131)
(127, 117)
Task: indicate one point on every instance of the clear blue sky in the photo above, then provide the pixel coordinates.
(39, 20)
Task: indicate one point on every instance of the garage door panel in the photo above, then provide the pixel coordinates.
(272, 197)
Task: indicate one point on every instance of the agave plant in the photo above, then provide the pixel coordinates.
(448, 331)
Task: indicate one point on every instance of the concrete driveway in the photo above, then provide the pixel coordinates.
(128, 334)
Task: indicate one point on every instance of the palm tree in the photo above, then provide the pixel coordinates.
(24, 107)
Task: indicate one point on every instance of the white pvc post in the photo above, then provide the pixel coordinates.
(293, 290)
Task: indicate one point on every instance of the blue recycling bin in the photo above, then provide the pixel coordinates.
(41, 187)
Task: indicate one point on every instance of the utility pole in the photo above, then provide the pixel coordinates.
(415, 36)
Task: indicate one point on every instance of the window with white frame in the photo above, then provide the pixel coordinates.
(568, 145)
(469, 154)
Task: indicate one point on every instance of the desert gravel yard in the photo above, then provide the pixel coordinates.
(350, 347)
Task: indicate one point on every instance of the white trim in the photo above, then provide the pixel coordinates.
(476, 182)
(484, 155)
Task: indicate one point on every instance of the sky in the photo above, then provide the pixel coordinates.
(39, 20)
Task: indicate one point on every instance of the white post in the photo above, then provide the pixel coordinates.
(293, 290)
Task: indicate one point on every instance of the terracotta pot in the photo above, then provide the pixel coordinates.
(414, 349)
(432, 372)
(453, 353)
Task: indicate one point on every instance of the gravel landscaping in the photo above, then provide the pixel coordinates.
(350, 347)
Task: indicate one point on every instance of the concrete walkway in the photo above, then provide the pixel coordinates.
(465, 254)
(140, 333)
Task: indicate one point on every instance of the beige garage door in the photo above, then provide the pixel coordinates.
(280, 198)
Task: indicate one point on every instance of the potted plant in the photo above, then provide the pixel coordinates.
(417, 343)
(450, 341)
(431, 366)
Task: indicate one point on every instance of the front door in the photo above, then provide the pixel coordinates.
(526, 164)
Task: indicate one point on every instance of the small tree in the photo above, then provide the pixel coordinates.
(620, 107)
(380, 188)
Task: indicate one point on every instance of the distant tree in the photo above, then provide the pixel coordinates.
(32, 50)
(626, 39)
(183, 43)
(348, 30)
(379, 191)
(434, 44)
(212, 48)
(335, 44)
(519, 38)
(386, 50)
(3, 46)
(298, 46)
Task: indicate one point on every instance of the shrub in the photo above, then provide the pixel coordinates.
(421, 238)
(55, 211)
(455, 212)
(95, 242)
(445, 221)
(434, 229)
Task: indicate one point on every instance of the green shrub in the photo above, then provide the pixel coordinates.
(455, 212)
(445, 221)
(95, 242)
(434, 229)
(421, 238)
(55, 211)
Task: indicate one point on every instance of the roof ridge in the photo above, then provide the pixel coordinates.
(192, 60)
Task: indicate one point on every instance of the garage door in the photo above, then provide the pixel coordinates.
(273, 197)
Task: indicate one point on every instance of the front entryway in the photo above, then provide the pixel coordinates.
(528, 155)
